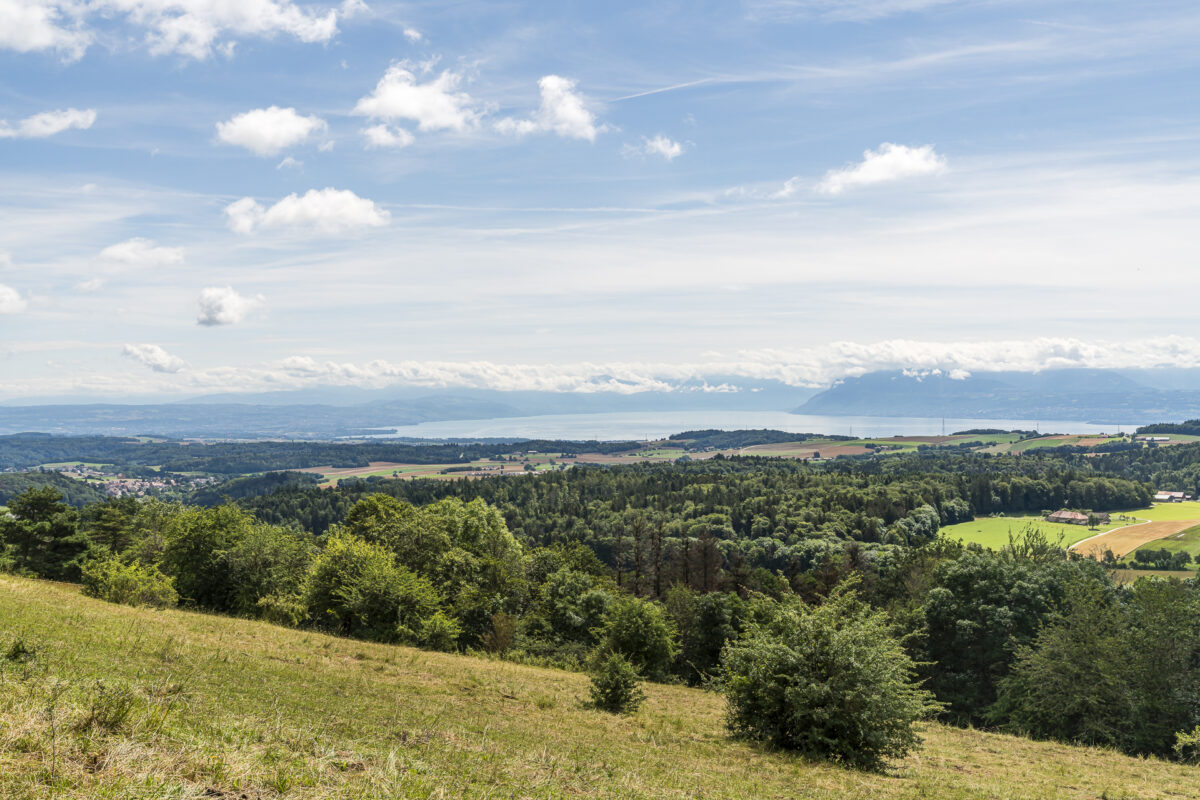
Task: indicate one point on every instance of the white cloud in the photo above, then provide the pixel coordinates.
(413, 35)
(138, 252)
(192, 28)
(154, 357)
(383, 136)
(48, 123)
(434, 105)
(658, 146)
(28, 26)
(289, 163)
(224, 306)
(563, 111)
(891, 162)
(849, 10)
(813, 367)
(267, 131)
(321, 210)
(11, 301)
(90, 286)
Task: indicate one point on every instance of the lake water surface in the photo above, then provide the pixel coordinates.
(648, 425)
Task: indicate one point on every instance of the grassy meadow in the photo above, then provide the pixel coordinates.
(992, 532)
(117, 702)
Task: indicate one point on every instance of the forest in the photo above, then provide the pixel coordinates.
(700, 572)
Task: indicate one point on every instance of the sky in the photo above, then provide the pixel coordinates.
(199, 196)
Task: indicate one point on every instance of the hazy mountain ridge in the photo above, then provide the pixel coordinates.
(1085, 395)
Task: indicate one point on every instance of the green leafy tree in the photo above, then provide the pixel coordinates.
(42, 535)
(268, 562)
(196, 545)
(640, 631)
(356, 588)
(830, 681)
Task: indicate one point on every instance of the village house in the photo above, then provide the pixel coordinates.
(1171, 497)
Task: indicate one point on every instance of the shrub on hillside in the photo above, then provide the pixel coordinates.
(830, 681)
(616, 686)
(641, 632)
(130, 584)
(356, 588)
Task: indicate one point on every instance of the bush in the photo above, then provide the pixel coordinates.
(357, 588)
(441, 632)
(640, 631)
(831, 682)
(129, 584)
(616, 687)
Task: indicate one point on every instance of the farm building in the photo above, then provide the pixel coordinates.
(1171, 497)
(1074, 517)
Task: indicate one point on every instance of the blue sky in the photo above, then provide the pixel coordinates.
(201, 196)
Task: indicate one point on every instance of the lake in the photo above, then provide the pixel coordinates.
(648, 425)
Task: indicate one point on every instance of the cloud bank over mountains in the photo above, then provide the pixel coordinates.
(802, 368)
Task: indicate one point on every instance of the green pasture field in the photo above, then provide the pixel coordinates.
(117, 702)
(992, 532)
(1169, 511)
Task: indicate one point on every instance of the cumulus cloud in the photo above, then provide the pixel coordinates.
(436, 104)
(658, 146)
(383, 136)
(413, 35)
(191, 28)
(48, 123)
(268, 131)
(320, 210)
(224, 306)
(11, 301)
(562, 111)
(138, 252)
(28, 26)
(891, 162)
(154, 357)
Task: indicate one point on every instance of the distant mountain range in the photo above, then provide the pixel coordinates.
(1128, 397)
(1084, 395)
(345, 411)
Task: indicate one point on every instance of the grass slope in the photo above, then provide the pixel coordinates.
(234, 708)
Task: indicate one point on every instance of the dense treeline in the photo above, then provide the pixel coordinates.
(77, 493)
(1191, 427)
(21, 451)
(729, 523)
(1029, 639)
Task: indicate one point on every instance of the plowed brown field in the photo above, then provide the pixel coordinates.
(1124, 541)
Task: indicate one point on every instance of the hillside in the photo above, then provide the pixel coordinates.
(232, 708)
